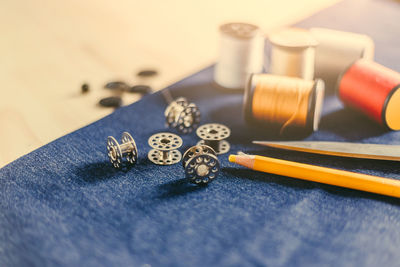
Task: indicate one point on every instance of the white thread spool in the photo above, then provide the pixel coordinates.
(292, 53)
(337, 50)
(241, 53)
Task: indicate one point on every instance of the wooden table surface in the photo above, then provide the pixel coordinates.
(49, 48)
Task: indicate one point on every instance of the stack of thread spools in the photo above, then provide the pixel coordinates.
(302, 64)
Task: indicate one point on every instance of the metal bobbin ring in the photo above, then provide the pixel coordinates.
(182, 115)
(126, 149)
(213, 135)
(165, 147)
(201, 164)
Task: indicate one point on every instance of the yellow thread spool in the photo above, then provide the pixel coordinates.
(286, 102)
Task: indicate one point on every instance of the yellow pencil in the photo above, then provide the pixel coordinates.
(363, 182)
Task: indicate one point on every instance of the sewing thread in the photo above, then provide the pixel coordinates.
(373, 90)
(283, 101)
(292, 53)
(241, 53)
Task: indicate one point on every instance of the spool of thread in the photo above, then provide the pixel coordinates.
(374, 90)
(286, 102)
(337, 50)
(241, 53)
(292, 53)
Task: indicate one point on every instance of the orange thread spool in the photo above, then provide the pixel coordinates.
(283, 101)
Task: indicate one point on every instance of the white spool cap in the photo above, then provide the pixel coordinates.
(337, 50)
(293, 53)
(241, 53)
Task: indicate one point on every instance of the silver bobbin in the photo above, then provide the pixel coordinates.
(165, 147)
(201, 164)
(126, 149)
(182, 115)
(213, 135)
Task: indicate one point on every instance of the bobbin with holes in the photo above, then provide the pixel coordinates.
(182, 115)
(165, 147)
(213, 135)
(201, 164)
(127, 149)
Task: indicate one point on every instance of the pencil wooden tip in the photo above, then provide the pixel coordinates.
(263, 143)
(244, 160)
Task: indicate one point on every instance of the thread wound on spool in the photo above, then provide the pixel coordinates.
(284, 101)
(337, 50)
(241, 53)
(292, 53)
(373, 90)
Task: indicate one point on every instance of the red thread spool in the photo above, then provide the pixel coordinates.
(374, 90)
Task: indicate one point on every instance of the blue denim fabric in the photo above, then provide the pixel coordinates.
(65, 205)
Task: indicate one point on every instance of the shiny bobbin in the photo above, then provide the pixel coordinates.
(165, 147)
(126, 149)
(213, 135)
(182, 115)
(201, 164)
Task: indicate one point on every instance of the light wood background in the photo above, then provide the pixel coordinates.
(48, 48)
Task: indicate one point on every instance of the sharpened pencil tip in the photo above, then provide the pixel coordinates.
(232, 158)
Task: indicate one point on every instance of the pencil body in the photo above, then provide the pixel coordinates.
(363, 182)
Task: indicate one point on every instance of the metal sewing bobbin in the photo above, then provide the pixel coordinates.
(126, 149)
(201, 164)
(213, 135)
(180, 114)
(165, 147)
